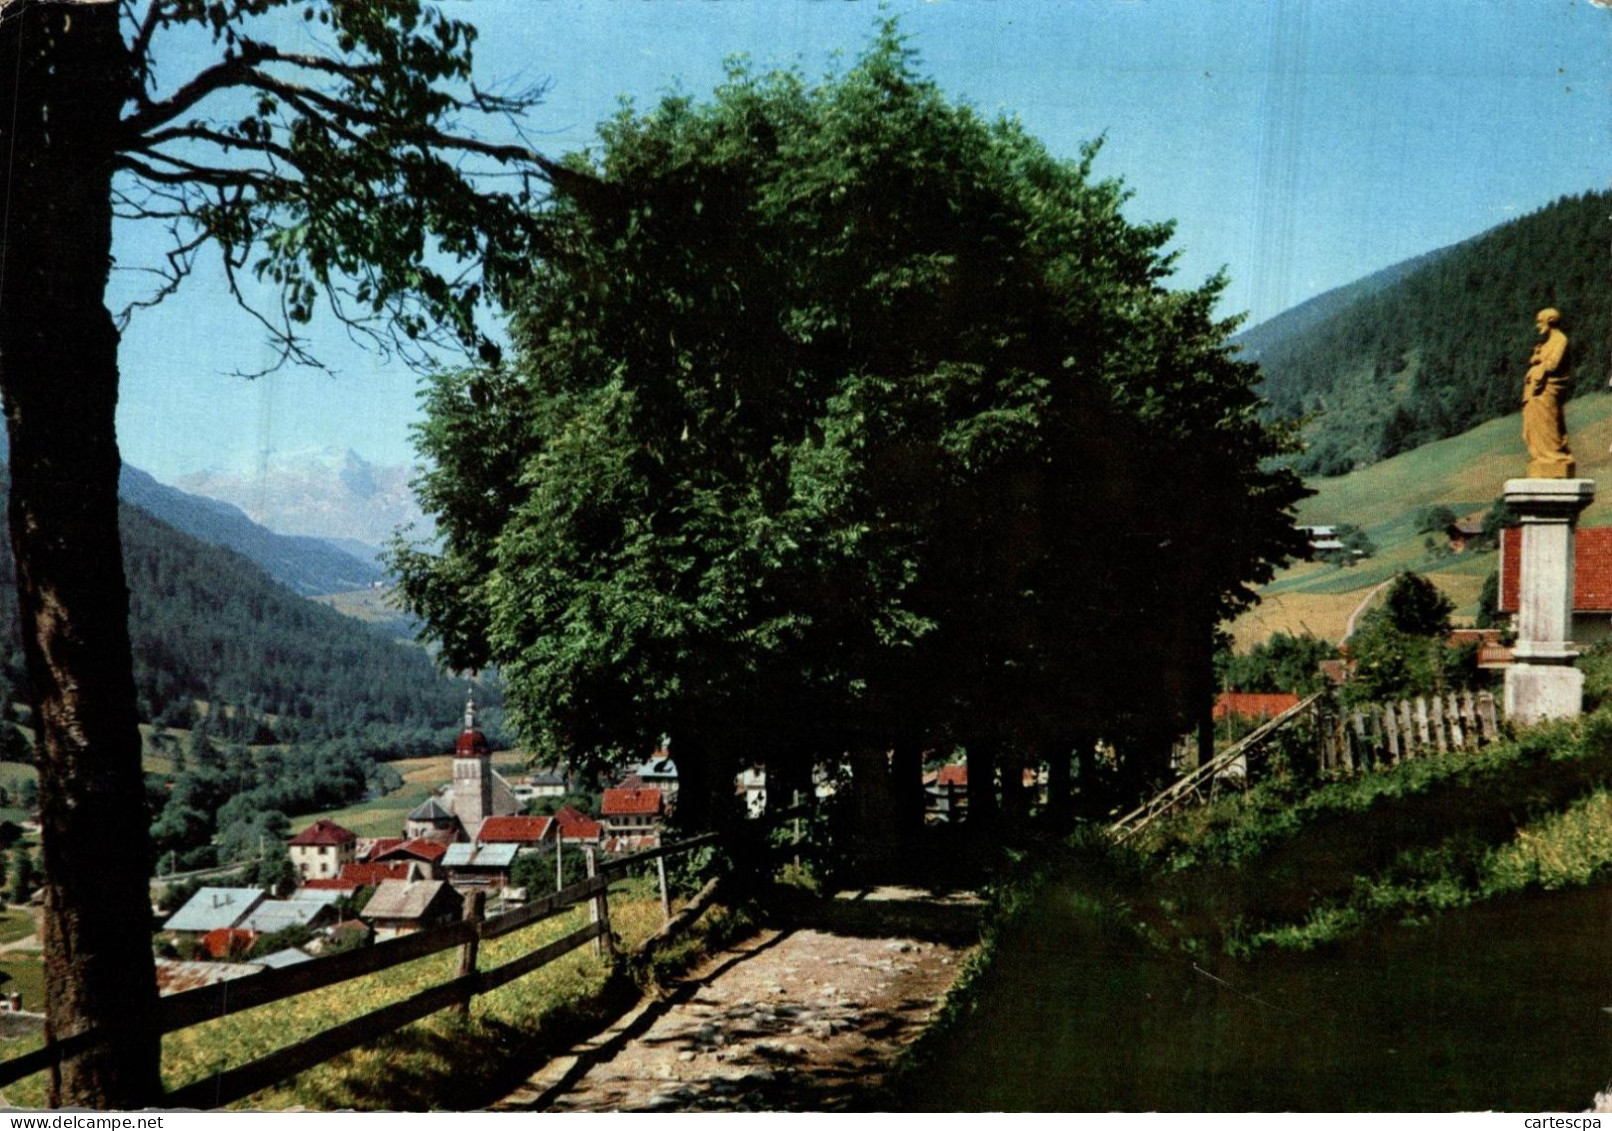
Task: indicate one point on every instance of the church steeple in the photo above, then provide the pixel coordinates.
(472, 743)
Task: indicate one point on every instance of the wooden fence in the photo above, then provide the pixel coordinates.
(193, 1007)
(1348, 741)
(1385, 734)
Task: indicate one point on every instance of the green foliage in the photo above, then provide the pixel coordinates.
(1400, 648)
(1434, 518)
(843, 404)
(1444, 348)
(1417, 606)
(1282, 663)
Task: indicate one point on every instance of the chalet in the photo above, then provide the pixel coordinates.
(400, 906)
(576, 827)
(632, 812)
(355, 876)
(543, 784)
(367, 849)
(1592, 580)
(525, 833)
(659, 772)
(320, 851)
(312, 909)
(427, 852)
(211, 909)
(479, 865)
(1464, 533)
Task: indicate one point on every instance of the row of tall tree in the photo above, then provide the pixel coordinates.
(843, 419)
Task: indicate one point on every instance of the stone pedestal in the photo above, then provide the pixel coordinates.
(1542, 682)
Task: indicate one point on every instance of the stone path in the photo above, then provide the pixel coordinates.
(798, 1019)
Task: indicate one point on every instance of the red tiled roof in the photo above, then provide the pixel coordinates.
(514, 830)
(575, 825)
(952, 774)
(378, 846)
(1253, 704)
(421, 848)
(324, 831)
(1592, 569)
(226, 942)
(631, 802)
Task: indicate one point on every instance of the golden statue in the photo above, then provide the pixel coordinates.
(1543, 391)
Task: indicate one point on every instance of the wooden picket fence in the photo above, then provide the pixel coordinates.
(1372, 735)
(180, 1011)
(1348, 741)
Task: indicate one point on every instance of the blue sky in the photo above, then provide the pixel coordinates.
(1297, 144)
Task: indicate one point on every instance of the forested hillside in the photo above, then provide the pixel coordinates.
(1444, 349)
(209, 625)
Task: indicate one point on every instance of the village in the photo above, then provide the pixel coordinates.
(474, 834)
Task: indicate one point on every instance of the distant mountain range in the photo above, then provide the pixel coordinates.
(308, 566)
(1436, 345)
(328, 493)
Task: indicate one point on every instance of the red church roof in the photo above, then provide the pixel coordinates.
(324, 832)
(1592, 569)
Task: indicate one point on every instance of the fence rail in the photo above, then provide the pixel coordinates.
(208, 1003)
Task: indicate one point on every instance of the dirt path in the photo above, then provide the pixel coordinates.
(797, 1019)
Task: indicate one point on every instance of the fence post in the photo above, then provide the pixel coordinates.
(665, 892)
(1391, 731)
(1423, 739)
(1436, 715)
(1491, 727)
(1406, 728)
(475, 908)
(796, 804)
(598, 906)
(559, 864)
(1452, 715)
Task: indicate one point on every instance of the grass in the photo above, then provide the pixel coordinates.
(15, 923)
(1465, 473)
(1289, 867)
(444, 1061)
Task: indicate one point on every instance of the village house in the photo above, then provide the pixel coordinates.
(360, 875)
(479, 865)
(423, 851)
(212, 909)
(321, 850)
(632, 813)
(576, 827)
(400, 907)
(659, 772)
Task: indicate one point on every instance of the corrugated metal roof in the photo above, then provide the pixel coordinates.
(458, 855)
(290, 956)
(277, 914)
(212, 908)
(496, 855)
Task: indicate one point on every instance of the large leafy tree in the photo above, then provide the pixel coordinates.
(321, 157)
(844, 418)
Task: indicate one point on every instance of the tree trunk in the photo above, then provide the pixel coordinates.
(1058, 817)
(907, 787)
(982, 806)
(59, 375)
